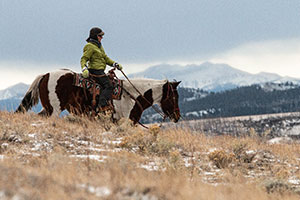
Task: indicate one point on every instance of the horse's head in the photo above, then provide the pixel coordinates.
(169, 101)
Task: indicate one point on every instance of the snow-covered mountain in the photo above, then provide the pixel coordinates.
(207, 76)
(210, 76)
(16, 91)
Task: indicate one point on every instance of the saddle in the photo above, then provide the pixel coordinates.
(95, 89)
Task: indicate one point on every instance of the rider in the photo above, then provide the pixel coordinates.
(94, 54)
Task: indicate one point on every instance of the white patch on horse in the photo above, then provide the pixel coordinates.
(52, 83)
(126, 104)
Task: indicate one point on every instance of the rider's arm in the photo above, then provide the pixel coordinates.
(87, 53)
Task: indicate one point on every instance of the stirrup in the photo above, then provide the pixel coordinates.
(104, 109)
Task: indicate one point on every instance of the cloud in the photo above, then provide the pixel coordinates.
(13, 72)
(275, 56)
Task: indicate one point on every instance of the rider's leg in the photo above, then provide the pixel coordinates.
(106, 94)
(107, 88)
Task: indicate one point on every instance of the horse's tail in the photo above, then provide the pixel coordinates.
(31, 97)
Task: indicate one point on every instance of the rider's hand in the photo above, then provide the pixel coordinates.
(85, 73)
(118, 66)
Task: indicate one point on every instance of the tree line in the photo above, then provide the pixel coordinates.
(247, 100)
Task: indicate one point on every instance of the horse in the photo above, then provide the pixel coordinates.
(57, 93)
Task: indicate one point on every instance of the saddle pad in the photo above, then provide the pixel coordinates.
(117, 91)
(88, 84)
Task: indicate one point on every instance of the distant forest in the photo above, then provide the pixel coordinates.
(247, 100)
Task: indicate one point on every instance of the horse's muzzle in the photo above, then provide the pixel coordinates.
(175, 117)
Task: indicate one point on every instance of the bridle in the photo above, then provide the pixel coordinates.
(172, 91)
(158, 111)
(161, 113)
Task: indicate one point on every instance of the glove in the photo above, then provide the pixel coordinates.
(85, 73)
(118, 66)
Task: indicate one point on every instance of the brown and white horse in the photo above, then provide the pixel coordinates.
(57, 93)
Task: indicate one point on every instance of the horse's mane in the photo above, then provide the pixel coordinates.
(148, 79)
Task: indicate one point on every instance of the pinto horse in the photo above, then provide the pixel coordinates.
(57, 93)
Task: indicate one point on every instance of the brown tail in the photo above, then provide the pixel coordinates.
(31, 97)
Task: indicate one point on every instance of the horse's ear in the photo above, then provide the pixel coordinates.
(176, 83)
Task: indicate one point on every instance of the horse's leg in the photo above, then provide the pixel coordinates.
(73, 108)
(77, 103)
(43, 112)
(44, 97)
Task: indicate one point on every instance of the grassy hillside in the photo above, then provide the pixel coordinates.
(75, 158)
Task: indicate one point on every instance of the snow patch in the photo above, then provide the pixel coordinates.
(98, 191)
(294, 181)
(280, 140)
(294, 131)
(92, 157)
(151, 166)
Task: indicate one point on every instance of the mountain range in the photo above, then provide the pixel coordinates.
(16, 91)
(211, 77)
(207, 77)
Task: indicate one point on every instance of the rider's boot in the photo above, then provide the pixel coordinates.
(104, 106)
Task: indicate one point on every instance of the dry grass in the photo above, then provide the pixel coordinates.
(75, 158)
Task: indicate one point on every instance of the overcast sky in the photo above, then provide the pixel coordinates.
(38, 36)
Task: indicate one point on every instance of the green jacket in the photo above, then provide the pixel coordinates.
(96, 57)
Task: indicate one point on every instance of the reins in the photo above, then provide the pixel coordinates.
(168, 96)
(154, 108)
(164, 116)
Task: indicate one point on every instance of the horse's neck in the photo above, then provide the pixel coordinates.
(143, 86)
